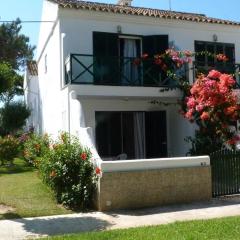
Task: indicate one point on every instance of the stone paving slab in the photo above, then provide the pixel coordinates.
(29, 228)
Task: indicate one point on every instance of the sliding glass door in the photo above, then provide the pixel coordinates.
(131, 135)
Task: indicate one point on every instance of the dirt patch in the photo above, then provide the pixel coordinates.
(5, 209)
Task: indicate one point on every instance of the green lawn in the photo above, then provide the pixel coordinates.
(22, 189)
(226, 228)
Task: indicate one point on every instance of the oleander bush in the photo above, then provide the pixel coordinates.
(34, 147)
(68, 170)
(9, 149)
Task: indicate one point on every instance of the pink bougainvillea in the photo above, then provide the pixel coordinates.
(213, 104)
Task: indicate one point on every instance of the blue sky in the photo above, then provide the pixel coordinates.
(31, 10)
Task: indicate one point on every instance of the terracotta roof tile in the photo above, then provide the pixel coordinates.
(32, 68)
(129, 10)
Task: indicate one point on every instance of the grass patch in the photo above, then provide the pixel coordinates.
(22, 189)
(226, 228)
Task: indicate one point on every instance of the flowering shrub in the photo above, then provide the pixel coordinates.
(210, 102)
(169, 67)
(169, 62)
(68, 170)
(34, 147)
(213, 105)
(8, 149)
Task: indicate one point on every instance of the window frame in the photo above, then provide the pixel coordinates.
(214, 44)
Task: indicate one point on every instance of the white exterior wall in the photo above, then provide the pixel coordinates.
(53, 98)
(78, 26)
(31, 97)
(177, 127)
(49, 17)
(72, 33)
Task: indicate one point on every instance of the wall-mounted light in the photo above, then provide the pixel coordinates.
(119, 29)
(215, 38)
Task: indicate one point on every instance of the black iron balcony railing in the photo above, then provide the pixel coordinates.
(116, 71)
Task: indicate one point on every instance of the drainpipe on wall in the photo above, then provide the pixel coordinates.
(62, 61)
(69, 113)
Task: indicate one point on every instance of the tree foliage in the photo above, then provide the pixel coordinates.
(7, 75)
(15, 48)
(13, 117)
(11, 83)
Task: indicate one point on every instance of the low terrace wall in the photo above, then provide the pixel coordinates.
(154, 182)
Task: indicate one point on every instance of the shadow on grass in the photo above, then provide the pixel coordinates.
(19, 166)
(9, 215)
(63, 225)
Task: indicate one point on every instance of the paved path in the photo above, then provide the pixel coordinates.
(55, 225)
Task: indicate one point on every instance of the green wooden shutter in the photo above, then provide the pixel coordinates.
(152, 45)
(230, 53)
(105, 51)
(155, 44)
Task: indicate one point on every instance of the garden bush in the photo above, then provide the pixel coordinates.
(9, 149)
(34, 147)
(68, 170)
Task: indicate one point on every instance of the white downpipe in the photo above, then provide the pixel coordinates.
(62, 61)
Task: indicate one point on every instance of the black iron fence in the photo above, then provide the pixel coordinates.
(225, 172)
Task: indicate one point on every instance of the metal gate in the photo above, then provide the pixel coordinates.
(225, 172)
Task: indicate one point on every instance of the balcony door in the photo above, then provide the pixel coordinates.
(131, 135)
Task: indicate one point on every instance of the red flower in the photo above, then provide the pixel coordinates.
(188, 53)
(231, 141)
(145, 55)
(230, 110)
(158, 61)
(37, 147)
(136, 62)
(214, 74)
(222, 58)
(83, 156)
(205, 116)
(53, 174)
(98, 171)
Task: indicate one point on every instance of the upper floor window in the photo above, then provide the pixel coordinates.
(206, 57)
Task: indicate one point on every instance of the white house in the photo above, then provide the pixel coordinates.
(86, 80)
